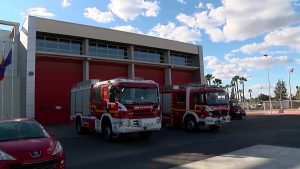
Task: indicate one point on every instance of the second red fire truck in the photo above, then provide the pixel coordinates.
(194, 105)
(116, 106)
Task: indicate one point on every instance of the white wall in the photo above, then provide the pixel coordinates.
(10, 85)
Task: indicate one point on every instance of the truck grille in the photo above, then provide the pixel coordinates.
(219, 113)
(50, 164)
(142, 113)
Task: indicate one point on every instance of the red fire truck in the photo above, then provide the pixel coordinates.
(194, 105)
(116, 106)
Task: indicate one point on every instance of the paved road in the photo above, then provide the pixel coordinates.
(173, 147)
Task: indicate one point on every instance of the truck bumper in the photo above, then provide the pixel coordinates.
(212, 121)
(136, 125)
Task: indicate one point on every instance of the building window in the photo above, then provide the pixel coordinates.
(181, 59)
(58, 45)
(109, 50)
(148, 55)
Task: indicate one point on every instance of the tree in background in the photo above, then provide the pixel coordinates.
(242, 82)
(298, 92)
(280, 90)
(250, 91)
(227, 88)
(208, 78)
(263, 97)
(233, 95)
(236, 79)
(217, 82)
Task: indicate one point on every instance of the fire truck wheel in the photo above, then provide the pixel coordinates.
(145, 134)
(79, 128)
(107, 132)
(190, 124)
(214, 128)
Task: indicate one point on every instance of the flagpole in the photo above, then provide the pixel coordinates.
(12, 81)
(2, 82)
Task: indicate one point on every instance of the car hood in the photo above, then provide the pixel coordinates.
(22, 150)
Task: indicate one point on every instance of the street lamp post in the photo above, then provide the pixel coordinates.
(270, 100)
(291, 69)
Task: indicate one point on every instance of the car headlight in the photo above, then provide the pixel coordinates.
(4, 156)
(58, 148)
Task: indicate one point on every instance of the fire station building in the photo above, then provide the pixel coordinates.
(54, 55)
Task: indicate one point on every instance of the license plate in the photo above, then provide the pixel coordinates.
(146, 123)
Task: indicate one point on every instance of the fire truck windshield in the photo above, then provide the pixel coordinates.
(137, 95)
(215, 98)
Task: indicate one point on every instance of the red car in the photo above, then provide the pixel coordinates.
(236, 111)
(24, 143)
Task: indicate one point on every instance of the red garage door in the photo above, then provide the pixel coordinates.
(150, 73)
(54, 80)
(180, 76)
(106, 71)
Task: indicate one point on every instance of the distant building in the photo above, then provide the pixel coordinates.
(54, 55)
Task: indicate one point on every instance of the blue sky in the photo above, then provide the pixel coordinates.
(234, 34)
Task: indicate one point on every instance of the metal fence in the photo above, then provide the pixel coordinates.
(265, 105)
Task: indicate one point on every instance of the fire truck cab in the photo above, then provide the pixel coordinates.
(116, 106)
(194, 105)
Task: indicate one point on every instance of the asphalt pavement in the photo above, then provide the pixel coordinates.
(172, 147)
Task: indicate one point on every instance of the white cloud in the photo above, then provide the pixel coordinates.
(65, 3)
(178, 33)
(38, 11)
(288, 36)
(181, 1)
(243, 19)
(130, 9)
(253, 48)
(128, 28)
(233, 66)
(98, 16)
(200, 5)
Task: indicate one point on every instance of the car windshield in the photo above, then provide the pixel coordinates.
(16, 130)
(215, 98)
(133, 95)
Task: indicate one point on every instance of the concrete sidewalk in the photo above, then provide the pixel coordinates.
(255, 157)
(274, 112)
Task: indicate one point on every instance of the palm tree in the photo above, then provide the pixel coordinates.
(208, 78)
(240, 93)
(227, 88)
(242, 81)
(235, 79)
(250, 91)
(217, 82)
(233, 91)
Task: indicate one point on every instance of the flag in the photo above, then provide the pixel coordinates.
(4, 64)
(1, 60)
